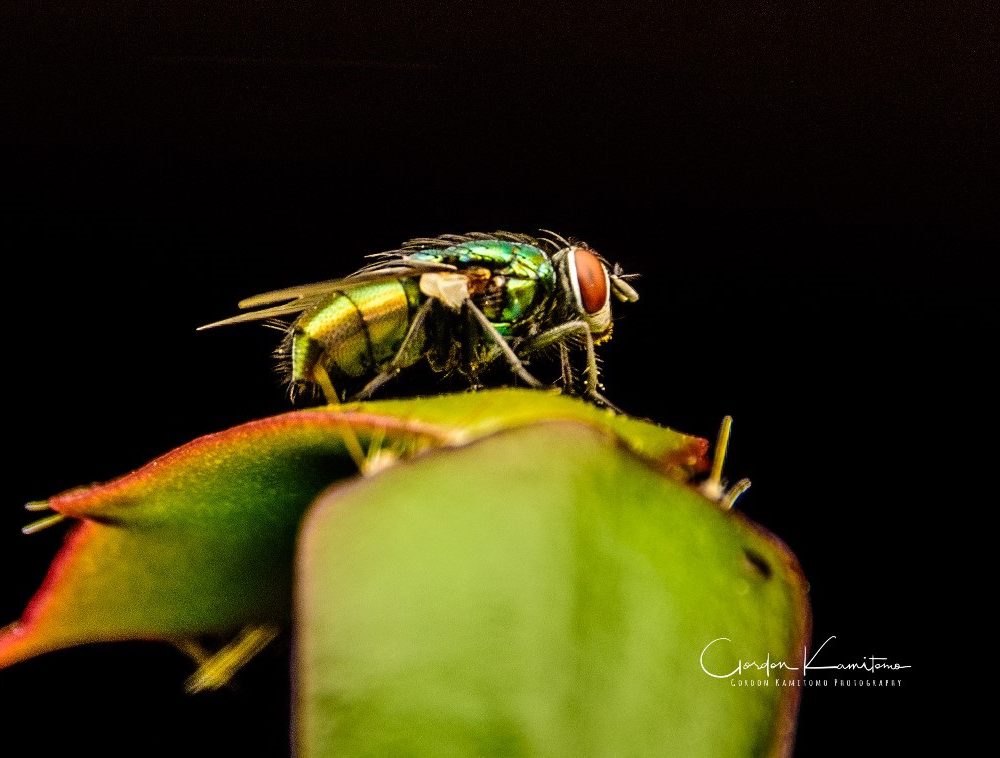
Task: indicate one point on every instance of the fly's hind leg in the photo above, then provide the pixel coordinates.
(409, 352)
(559, 335)
(351, 442)
(505, 350)
(322, 377)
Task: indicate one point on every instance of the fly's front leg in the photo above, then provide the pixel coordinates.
(509, 355)
(558, 335)
(410, 351)
(565, 367)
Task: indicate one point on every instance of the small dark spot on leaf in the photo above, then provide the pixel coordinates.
(758, 563)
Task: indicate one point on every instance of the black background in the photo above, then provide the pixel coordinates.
(809, 196)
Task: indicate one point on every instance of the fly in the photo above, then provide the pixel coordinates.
(462, 302)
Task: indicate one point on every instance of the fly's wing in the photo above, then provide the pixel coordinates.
(292, 300)
(285, 309)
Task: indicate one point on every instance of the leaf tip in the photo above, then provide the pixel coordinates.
(15, 644)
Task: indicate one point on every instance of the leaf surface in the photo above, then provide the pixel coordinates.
(543, 591)
(201, 540)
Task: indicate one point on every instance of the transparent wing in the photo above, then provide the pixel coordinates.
(292, 300)
(286, 309)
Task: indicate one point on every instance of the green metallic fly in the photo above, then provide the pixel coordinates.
(462, 302)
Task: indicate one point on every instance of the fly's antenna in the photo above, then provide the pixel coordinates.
(622, 290)
(620, 287)
(618, 271)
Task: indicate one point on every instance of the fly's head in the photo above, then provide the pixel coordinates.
(591, 281)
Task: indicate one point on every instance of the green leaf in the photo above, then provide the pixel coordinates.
(543, 591)
(201, 540)
(484, 413)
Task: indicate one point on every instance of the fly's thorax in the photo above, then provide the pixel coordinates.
(510, 282)
(454, 288)
(511, 303)
(518, 260)
(354, 330)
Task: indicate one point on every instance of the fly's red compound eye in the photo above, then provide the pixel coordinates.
(591, 279)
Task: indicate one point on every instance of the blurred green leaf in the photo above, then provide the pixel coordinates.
(201, 540)
(543, 591)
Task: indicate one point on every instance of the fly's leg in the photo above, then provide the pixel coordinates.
(322, 377)
(410, 351)
(215, 670)
(558, 335)
(565, 368)
(351, 442)
(472, 357)
(193, 650)
(509, 355)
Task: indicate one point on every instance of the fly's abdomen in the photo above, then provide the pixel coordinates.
(354, 331)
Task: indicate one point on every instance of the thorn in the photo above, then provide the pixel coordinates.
(712, 487)
(37, 505)
(728, 499)
(44, 523)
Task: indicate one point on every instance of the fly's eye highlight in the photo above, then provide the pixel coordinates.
(589, 278)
